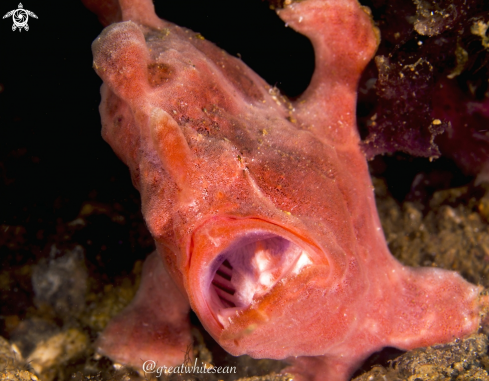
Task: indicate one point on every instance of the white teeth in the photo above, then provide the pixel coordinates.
(262, 258)
(266, 279)
(301, 263)
(226, 314)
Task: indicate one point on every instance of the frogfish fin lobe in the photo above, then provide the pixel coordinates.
(140, 11)
(112, 11)
(344, 40)
(108, 11)
(120, 58)
(155, 326)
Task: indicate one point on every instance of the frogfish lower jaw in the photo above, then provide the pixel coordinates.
(236, 263)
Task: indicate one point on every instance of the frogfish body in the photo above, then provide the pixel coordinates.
(262, 209)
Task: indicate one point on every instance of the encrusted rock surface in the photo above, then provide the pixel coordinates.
(462, 360)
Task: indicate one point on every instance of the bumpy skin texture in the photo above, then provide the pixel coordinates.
(229, 170)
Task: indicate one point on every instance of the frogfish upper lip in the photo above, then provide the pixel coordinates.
(236, 262)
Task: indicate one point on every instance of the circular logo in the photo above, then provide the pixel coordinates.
(20, 17)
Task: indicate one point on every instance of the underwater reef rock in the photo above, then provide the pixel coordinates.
(462, 360)
(60, 281)
(452, 232)
(428, 93)
(12, 365)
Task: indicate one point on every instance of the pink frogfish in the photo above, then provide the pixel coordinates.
(262, 208)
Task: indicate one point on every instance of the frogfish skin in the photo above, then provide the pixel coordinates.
(262, 209)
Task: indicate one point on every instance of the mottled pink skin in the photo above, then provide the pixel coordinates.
(219, 157)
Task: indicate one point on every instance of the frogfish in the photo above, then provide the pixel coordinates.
(262, 208)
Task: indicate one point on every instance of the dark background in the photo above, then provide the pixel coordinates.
(52, 157)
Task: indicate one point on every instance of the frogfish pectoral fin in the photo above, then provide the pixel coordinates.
(155, 326)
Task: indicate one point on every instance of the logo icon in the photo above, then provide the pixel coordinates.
(20, 17)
